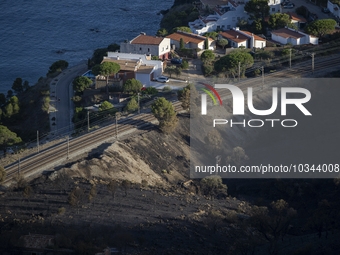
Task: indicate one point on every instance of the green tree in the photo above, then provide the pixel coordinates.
(178, 71)
(183, 29)
(256, 26)
(81, 83)
(2, 99)
(108, 107)
(98, 56)
(206, 43)
(257, 9)
(131, 105)
(150, 91)
(133, 86)
(164, 111)
(8, 111)
(207, 56)
(113, 47)
(9, 93)
(58, 65)
(321, 27)
(185, 65)
(207, 69)
(26, 85)
(242, 24)
(231, 61)
(170, 70)
(14, 101)
(212, 186)
(162, 32)
(278, 20)
(183, 96)
(181, 43)
(8, 138)
(222, 42)
(2, 175)
(155, 58)
(106, 69)
(212, 35)
(17, 85)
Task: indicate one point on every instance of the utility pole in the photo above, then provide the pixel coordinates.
(68, 147)
(88, 121)
(313, 62)
(262, 76)
(239, 71)
(138, 105)
(290, 58)
(116, 126)
(38, 139)
(19, 165)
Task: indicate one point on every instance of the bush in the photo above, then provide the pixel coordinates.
(212, 185)
(145, 183)
(167, 90)
(61, 210)
(207, 69)
(185, 65)
(61, 65)
(150, 91)
(257, 72)
(285, 52)
(264, 55)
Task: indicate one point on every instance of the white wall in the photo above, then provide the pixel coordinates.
(164, 46)
(279, 39)
(260, 44)
(144, 78)
(331, 7)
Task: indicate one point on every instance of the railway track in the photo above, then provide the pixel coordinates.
(61, 151)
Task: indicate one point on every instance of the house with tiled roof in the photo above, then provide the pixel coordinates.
(295, 37)
(297, 20)
(334, 7)
(237, 38)
(132, 66)
(226, 15)
(147, 44)
(191, 41)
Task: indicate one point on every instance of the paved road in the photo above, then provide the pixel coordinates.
(64, 92)
(311, 7)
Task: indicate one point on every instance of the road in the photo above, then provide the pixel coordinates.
(63, 91)
(311, 7)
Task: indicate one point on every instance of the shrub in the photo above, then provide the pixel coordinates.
(264, 55)
(257, 72)
(145, 183)
(185, 65)
(207, 69)
(61, 210)
(167, 90)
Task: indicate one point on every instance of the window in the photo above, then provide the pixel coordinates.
(218, 27)
(163, 49)
(222, 26)
(125, 74)
(273, 9)
(140, 48)
(148, 49)
(238, 18)
(167, 47)
(228, 27)
(234, 18)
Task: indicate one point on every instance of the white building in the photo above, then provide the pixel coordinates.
(334, 8)
(226, 15)
(147, 44)
(237, 38)
(295, 37)
(191, 41)
(145, 70)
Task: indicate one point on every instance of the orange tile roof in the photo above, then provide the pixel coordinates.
(187, 37)
(147, 39)
(255, 36)
(286, 33)
(232, 35)
(294, 16)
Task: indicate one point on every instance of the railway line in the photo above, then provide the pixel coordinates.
(61, 151)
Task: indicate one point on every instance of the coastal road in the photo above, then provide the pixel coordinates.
(64, 92)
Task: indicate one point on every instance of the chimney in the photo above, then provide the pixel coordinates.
(142, 33)
(126, 63)
(135, 67)
(237, 28)
(237, 36)
(117, 57)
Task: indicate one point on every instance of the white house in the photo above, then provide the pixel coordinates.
(191, 41)
(237, 38)
(226, 15)
(295, 37)
(334, 8)
(144, 69)
(146, 44)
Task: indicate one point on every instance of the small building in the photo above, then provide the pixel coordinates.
(334, 7)
(132, 66)
(295, 37)
(237, 38)
(297, 20)
(191, 41)
(147, 44)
